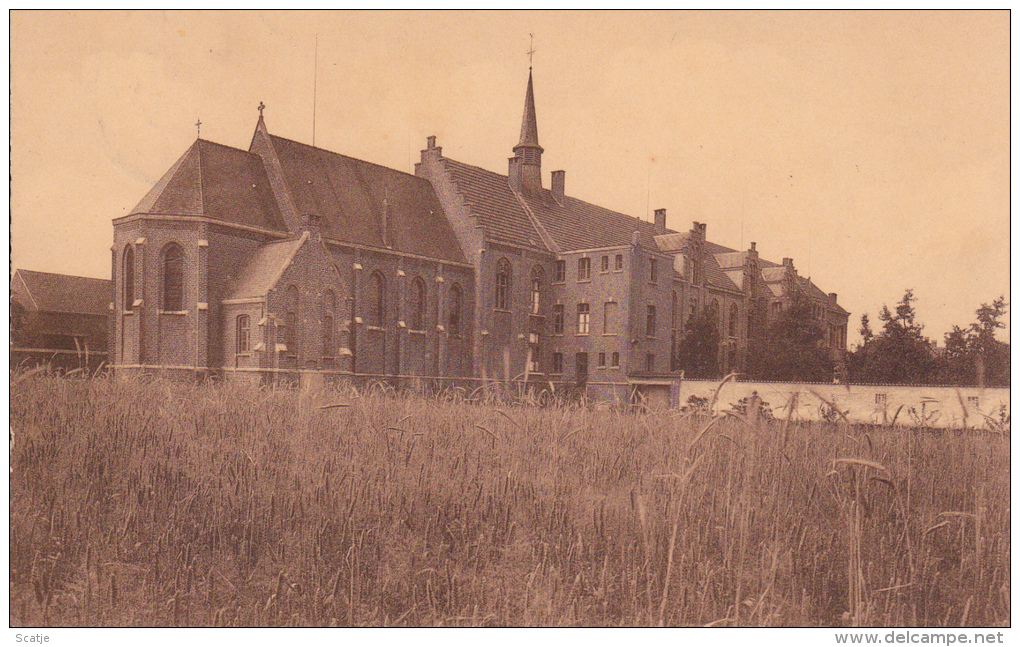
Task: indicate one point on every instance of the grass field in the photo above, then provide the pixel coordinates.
(163, 504)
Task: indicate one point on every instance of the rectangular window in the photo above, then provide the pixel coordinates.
(616, 360)
(561, 271)
(582, 318)
(243, 334)
(609, 317)
(619, 262)
(880, 398)
(535, 352)
(972, 400)
(558, 319)
(582, 368)
(584, 269)
(650, 363)
(650, 324)
(602, 360)
(653, 271)
(605, 263)
(557, 363)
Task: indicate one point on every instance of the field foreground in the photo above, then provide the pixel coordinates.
(161, 504)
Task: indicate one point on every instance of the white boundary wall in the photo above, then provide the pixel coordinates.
(945, 407)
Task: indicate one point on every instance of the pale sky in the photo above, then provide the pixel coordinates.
(872, 148)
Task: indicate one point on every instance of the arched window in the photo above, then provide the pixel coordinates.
(714, 313)
(733, 320)
(455, 305)
(418, 304)
(173, 278)
(291, 335)
(672, 313)
(536, 289)
(503, 283)
(328, 312)
(376, 300)
(129, 277)
(243, 344)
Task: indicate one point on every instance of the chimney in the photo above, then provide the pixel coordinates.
(660, 221)
(832, 298)
(754, 246)
(513, 175)
(312, 223)
(699, 230)
(558, 180)
(430, 142)
(787, 262)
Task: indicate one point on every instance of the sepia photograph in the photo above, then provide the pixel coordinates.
(510, 319)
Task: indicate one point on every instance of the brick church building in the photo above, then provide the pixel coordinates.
(289, 259)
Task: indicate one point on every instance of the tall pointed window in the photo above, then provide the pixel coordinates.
(536, 290)
(504, 276)
(173, 278)
(455, 305)
(129, 277)
(243, 339)
(328, 314)
(418, 304)
(291, 335)
(376, 300)
(733, 320)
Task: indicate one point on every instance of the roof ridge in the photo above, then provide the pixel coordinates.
(567, 197)
(77, 276)
(547, 240)
(356, 159)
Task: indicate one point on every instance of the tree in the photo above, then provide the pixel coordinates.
(793, 348)
(697, 353)
(899, 354)
(974, 357)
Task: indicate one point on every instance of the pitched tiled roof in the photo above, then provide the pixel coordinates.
(716, 277)
(348, 194)
(816, 292)
(576, 224)
(266, 267)
(729, 260)
(490, 200)
(68, 294)
(217, 182)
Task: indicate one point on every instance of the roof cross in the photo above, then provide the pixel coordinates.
(262, 107)
(531, 50)
(198, 126)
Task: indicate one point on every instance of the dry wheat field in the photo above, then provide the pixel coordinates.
(152, 503)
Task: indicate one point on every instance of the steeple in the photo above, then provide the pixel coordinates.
(525, 169)
(529, 124)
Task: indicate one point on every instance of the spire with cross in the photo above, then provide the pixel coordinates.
(531, 51)
(198, 127)
(262, 107)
